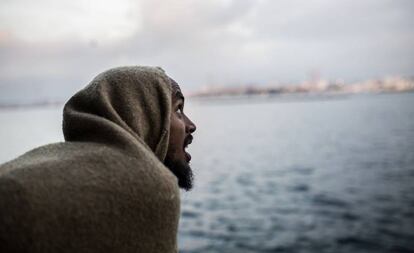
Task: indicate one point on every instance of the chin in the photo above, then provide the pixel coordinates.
(183, 172)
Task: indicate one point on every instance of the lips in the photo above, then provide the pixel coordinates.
(188, 140)
(187, 157)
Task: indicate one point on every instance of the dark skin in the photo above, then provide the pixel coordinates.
(181, 130)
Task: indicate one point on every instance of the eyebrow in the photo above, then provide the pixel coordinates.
(179, 95)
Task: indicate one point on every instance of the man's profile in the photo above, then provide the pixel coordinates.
(113, 185)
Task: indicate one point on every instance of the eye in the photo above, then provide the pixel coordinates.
(180, 110)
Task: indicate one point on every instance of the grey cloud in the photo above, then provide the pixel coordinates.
(198, 43)
(315, 20)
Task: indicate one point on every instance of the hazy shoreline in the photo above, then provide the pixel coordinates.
(233, 99)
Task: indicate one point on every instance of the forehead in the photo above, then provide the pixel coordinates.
(176, 91)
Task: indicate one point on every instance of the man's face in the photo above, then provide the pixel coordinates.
(181, 129)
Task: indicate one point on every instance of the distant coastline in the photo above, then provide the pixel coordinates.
(35, 104)
(314, 88)
(309, 90)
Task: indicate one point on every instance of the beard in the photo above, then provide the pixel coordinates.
(182, 171)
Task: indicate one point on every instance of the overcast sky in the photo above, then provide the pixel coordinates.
(49, 48)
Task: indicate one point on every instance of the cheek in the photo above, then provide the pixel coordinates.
(177, 133)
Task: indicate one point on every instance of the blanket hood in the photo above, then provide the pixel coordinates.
(124, 107)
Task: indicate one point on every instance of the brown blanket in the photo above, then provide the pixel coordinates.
(105, 189)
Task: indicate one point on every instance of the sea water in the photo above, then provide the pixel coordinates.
(283, 175)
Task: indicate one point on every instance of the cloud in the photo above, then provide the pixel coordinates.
(48, 20)
(221, 42)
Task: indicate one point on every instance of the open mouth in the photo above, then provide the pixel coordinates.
(187, 157)
(187, 142)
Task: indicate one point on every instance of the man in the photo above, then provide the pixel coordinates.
(107, 187)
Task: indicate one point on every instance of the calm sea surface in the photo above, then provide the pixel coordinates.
(283, 175)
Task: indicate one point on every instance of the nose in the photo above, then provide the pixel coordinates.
(189, 125)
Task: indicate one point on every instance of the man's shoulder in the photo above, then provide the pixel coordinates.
(51, 155)
(67, 188)
(65, 174)
(87, 163)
